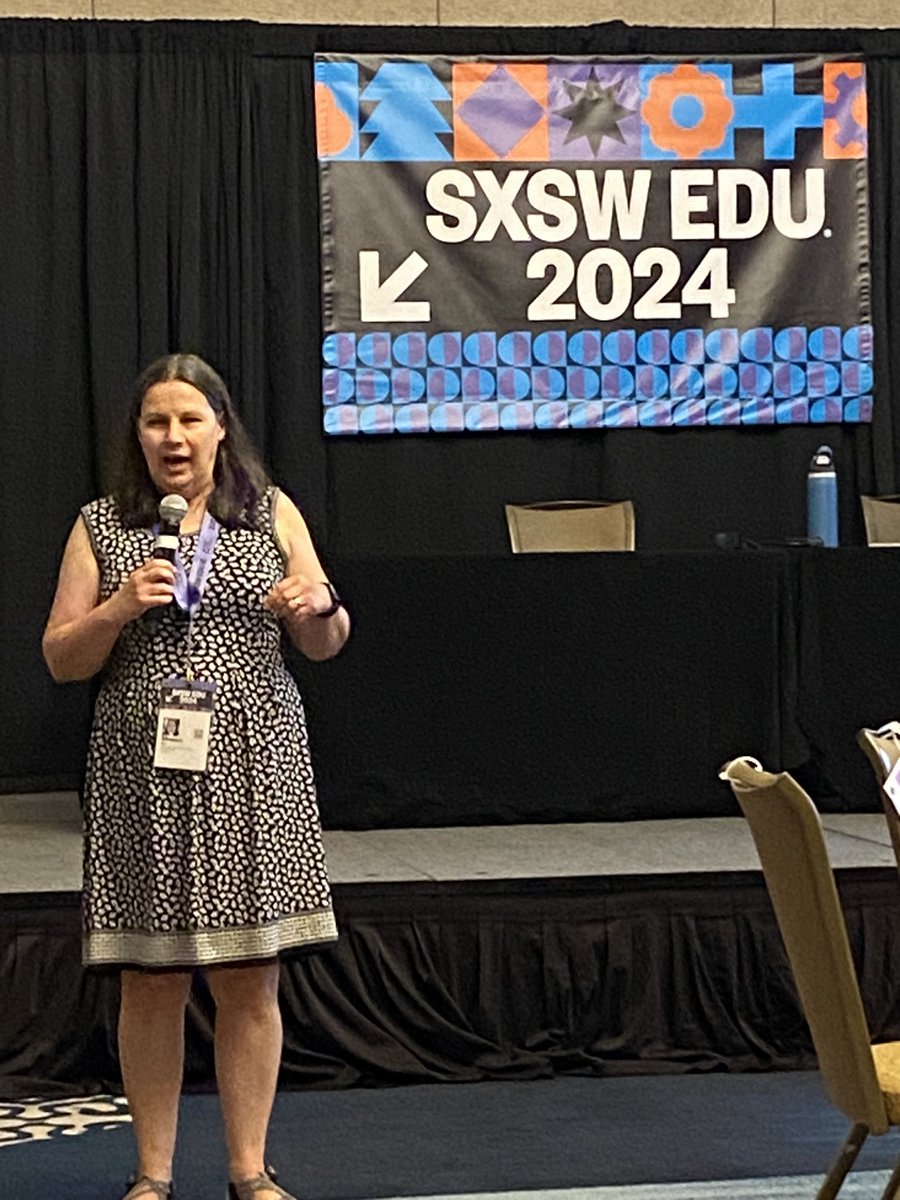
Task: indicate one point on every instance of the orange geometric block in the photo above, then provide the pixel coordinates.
(468, 78)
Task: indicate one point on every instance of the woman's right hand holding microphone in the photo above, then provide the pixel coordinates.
(152, 585)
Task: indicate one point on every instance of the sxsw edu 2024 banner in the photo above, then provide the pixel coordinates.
(591, 243)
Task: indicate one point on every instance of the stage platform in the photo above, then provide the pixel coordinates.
(474, 953)
(40, 848)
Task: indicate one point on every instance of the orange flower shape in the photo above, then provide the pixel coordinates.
(708, 90)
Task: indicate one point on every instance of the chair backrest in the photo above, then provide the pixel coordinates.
(571, 525)
(788, 836)
(882, 748)
(882, 517)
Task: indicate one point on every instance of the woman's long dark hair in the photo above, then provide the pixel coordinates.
(239, 475)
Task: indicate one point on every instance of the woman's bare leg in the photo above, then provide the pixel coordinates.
(151, 1053)
(248, 1054)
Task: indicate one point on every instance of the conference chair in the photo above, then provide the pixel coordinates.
(882, 748)
(570, 525)
(882, 517)
(862, 1080)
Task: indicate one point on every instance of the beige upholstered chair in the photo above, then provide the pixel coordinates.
(882, 517)
(862, 1080)
(882, 748)
(571, 525)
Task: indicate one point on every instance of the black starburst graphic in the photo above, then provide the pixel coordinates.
(594, 113)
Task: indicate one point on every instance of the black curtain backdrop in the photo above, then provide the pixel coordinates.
(158, 191)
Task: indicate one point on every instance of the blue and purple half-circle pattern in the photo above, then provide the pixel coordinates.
(484, 381)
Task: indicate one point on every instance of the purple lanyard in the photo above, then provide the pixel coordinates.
(189, 588)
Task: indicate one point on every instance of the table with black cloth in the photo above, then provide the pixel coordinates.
(566, 687)
(571, 687)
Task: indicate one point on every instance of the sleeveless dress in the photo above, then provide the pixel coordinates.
(182, 867)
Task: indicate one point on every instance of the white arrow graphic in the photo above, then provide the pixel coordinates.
(378, 301)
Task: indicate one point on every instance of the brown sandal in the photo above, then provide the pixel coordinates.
(263, 1182)
(145, 1186)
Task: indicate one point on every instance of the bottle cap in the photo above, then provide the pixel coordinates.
(823, 459)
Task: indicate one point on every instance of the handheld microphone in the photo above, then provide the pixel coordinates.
(172, 510)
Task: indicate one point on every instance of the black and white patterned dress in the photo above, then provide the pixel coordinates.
(186, 867)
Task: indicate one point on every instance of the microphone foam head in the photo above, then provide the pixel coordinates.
(172, 509)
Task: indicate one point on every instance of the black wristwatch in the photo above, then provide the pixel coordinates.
(336, 602)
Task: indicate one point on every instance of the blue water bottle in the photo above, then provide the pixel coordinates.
(822, 498)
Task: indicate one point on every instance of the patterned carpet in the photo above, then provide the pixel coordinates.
(686, 1137)
(35, 1120)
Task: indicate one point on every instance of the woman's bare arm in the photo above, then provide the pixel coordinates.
(301, 596)
(81, 631)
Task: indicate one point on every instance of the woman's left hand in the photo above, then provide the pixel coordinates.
(296, 598)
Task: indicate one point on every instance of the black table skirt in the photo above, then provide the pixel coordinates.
(600, 686)
(570, 687)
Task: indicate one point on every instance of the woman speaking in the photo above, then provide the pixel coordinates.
(202, 840)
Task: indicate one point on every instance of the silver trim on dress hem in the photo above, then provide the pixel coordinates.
(199, 947)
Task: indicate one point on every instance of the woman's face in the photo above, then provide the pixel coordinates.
(179, 434)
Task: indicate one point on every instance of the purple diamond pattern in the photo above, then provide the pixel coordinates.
(501, 112)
